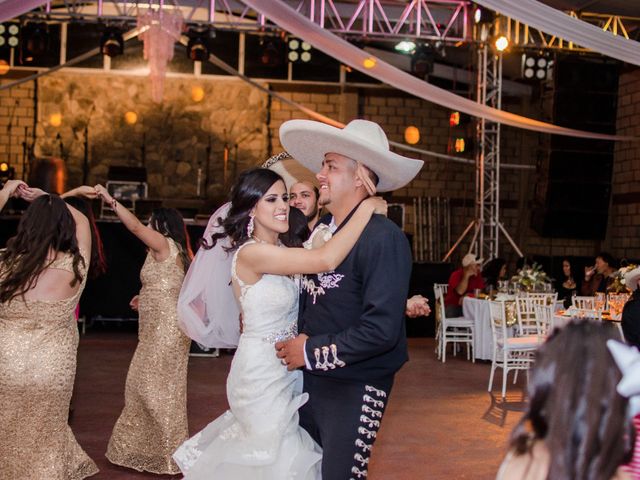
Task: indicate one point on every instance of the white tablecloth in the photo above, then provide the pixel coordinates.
(478, 311)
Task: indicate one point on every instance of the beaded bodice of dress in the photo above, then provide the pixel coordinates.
(47, 313)
(269, 306)
(164, 276)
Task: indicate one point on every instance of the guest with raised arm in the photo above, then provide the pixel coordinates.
(11, 188)
(154, 419)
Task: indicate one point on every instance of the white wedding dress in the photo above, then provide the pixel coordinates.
(258, 438)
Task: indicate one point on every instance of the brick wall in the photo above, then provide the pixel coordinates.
(19, 102)
(624, 216)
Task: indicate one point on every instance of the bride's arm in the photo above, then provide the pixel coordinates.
(262, 258)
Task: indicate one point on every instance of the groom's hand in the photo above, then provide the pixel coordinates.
(291, 352)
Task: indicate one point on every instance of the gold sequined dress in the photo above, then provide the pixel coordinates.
(153, 422)
(38, 346)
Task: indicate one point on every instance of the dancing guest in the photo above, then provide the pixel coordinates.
(575, 424)
(599, 277)
(153, 422)
(566, 286)
(43, 271)
(259, 436)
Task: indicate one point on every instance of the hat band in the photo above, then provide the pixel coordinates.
(363, 174)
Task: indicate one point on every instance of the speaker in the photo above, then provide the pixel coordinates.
(574, 174)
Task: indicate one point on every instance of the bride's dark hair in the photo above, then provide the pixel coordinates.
(250, 187)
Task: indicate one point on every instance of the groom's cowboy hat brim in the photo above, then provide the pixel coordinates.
(308, 141)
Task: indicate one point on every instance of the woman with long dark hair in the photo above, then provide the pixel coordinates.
(43, 271)
(575, 424)
(567, 286)
(154, 419)
(259, 436)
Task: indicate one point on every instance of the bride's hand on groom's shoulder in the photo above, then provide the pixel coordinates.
(291, 352)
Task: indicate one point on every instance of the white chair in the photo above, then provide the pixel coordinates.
(527, 323)
(584, 303)
(545, 318)
(543, 298)
(452, 330)
(509, 353)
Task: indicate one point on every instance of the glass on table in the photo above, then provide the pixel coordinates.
(600, 301)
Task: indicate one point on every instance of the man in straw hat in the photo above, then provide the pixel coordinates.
(352, 334)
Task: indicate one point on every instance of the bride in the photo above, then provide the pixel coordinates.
(259, 437)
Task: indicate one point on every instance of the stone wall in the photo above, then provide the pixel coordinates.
(17, 120)
(175, 134)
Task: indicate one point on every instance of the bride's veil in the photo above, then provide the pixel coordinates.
(207, 309)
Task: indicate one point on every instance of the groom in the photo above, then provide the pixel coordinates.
(352, 335)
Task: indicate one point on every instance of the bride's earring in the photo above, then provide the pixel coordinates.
(250, 227)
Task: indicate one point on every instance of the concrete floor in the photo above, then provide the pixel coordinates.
(441, 423)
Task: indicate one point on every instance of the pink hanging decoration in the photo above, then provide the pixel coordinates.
(160, 30)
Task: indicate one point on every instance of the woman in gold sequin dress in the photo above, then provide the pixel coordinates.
(42, 275)
(153, 422)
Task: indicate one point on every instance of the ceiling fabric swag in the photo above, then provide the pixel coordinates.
(288, 19)
(10, 9)
(555, 22)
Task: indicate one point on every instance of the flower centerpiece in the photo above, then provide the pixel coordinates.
(531, 278)
(619, 284)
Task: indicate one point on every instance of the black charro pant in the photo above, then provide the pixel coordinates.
(344, 418)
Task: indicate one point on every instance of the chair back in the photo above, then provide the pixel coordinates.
(584, 303)
(545, 318)
(527, 323)
(543, 298)
(439, 293)
(498, 322)
(442, 286)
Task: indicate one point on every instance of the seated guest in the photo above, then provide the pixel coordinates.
(574, 425)
(631, 332)
(599, 277)
(462, 282)
(566, 285)
(494, 272)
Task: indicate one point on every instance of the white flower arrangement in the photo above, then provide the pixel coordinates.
(531, 277)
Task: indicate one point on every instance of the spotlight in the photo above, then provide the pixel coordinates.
(34, 42)
(272, 54)
(535, 67)
(112, 43)
(198, 46)
(405, 46)
(460, 145)
(501, 43)
(454, 119)
(299, 51)
(422, 61)
(411, 135)
(483, 16)
(9, 34)
(369, 62)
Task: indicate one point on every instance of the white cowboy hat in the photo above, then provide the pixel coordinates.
(289, 169)
(361, 140)
(632, 278)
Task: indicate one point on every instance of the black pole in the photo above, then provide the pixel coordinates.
(24, 154)
(143, 150)
(85, 160)
(207, 162)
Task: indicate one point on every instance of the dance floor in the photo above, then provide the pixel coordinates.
(440, 424)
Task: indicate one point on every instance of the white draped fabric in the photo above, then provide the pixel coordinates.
(289, 20)
(13, 8)
(555, 22)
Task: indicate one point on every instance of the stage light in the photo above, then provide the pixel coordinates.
(369, 62)
(460, 145)
(9, 34)
(131, 118)
(483, 16)
(4, 167)
(197, 93)
(35, 41)
(4, 67)
(411, 135)
(55, 119)
(6, 172)
(272, 54)
(111, 42)
(298, 51)
(422, 61)
(535, 66)
(405, 46)
(454, 119)
(501, 43)
(198, 46)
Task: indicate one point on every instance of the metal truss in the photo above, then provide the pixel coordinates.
(523, 36)
(430, 20)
